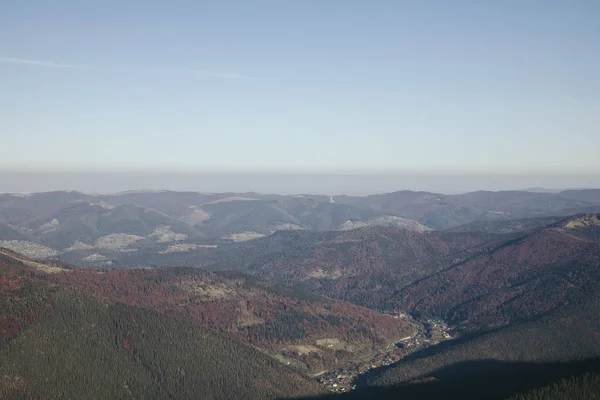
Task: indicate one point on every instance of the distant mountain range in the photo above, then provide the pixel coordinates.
(99, 229)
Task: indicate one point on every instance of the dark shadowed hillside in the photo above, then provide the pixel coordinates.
(581, 387)
(494, 380)
(570, 333)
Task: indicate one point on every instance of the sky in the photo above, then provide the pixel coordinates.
(315, 87)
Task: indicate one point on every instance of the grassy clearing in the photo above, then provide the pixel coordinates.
(331, 344)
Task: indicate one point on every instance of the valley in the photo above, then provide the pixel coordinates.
(426, 334)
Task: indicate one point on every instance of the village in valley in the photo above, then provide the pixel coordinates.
(429, 332)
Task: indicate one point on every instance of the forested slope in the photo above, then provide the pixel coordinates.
(309, 331)
(58, 342)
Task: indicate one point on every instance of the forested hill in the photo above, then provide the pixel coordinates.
(59, 342)
(308, 331)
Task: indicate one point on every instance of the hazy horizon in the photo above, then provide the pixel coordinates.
(285, 183)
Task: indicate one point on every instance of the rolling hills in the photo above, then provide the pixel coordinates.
(94, 229)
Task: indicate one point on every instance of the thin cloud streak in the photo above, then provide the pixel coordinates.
(40, 63)
(197, 72)
(204, 72)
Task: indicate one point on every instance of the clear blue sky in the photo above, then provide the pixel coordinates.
(290, 85)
